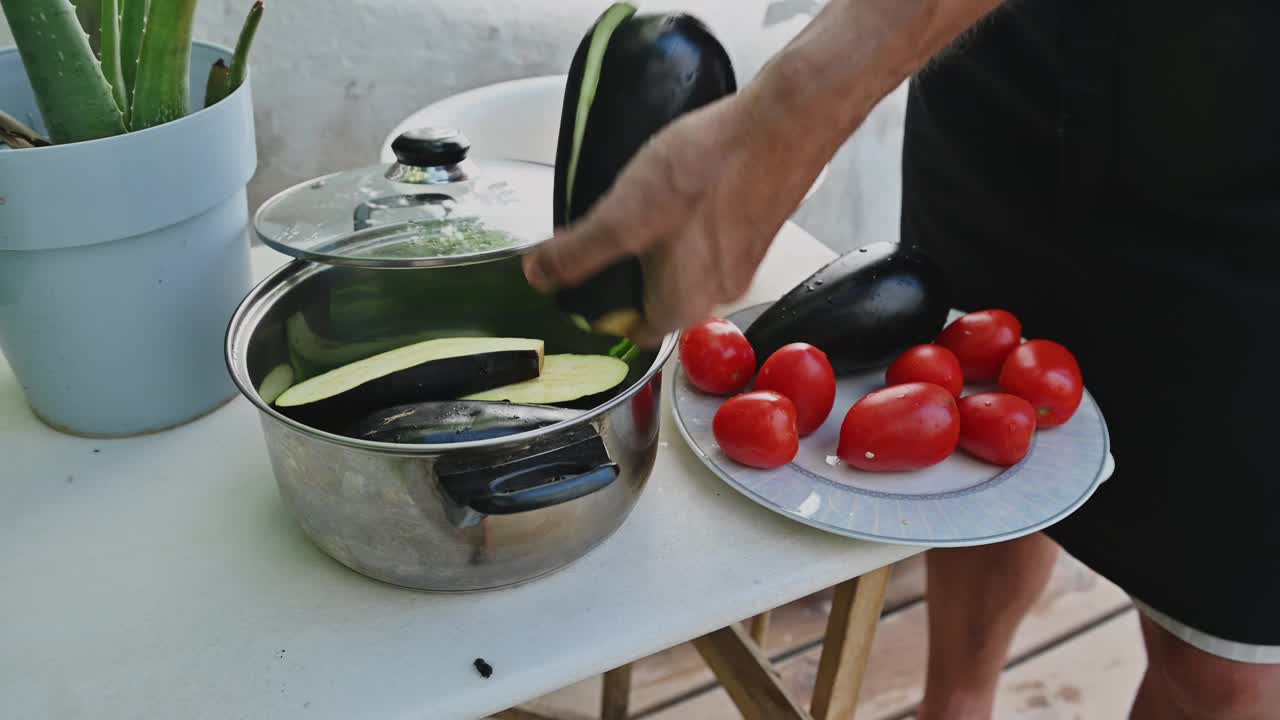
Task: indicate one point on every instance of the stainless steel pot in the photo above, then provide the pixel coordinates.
(445, 517)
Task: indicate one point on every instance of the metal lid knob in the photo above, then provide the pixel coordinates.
(431, 147)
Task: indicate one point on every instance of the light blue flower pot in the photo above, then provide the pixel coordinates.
(122, 260)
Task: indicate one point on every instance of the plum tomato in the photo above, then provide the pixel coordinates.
(716, 357)
(981, 341)
(927, 363)
(1047, 375)
(902, 427)
(643, 407)
(757, 429)
(803, 374)
(996, 427)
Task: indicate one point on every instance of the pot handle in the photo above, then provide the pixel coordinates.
(552, 478)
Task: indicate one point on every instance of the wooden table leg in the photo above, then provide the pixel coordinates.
(760, 629)
(616, 698)
(743, 669)
(855, 612)
(747, 676)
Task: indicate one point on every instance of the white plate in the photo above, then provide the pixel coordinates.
(961, 501)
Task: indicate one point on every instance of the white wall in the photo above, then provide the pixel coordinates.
(332, 77)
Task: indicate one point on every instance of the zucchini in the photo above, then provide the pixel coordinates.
(862, 309)
(564, 379)
(441, 369)
(630, 76)
(432, 423)
(276, 382)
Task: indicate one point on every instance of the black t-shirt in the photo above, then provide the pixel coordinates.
(1109, 170)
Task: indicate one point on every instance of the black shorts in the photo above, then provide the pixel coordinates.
(1109, 170)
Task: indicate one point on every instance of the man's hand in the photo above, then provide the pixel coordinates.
(699, 205)
(702, 201)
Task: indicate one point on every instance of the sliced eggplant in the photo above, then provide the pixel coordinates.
(441, 369)
(564, 379)
(630, 76)
(862, 309)
(454, 421)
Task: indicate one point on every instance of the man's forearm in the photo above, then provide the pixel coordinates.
(825, 82)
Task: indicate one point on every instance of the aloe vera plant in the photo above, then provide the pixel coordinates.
(133, 76)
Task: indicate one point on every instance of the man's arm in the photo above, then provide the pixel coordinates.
(822, 85)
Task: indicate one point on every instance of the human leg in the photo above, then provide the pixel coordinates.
(977, 597)
(1184, 682)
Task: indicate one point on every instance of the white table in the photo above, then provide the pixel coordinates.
(162, 577)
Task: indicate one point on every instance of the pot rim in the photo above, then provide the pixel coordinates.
(270, 288)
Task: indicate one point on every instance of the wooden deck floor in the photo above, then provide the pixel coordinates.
(1077, 655)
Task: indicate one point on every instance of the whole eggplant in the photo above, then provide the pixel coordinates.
(630, 76)
(862, 309)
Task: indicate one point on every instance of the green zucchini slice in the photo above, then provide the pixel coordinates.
(564, 378)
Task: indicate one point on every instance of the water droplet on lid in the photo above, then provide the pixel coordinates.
(317, 185)
(862, 249)
(870, 455)
(817, 282)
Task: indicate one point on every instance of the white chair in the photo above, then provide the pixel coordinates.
(512, 120)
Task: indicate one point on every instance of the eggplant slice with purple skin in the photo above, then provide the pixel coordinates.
(862, 309)
(442, 369)
(630, 76)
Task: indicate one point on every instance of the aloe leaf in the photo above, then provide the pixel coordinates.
(16, 134)
(240, 60)
(161, 85)
(216, 86)
(73, 95)
(88, 11)
(111, 52)
(133, 19)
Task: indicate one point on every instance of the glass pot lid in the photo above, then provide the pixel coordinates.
(434, 206)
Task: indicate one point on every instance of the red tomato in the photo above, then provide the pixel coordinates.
(927, 363)
(996, 427)
(981, 341)
(1045, 374)
(642, 408)
(903, 427)
(758, 429)
(802, 373)
(716, 356)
